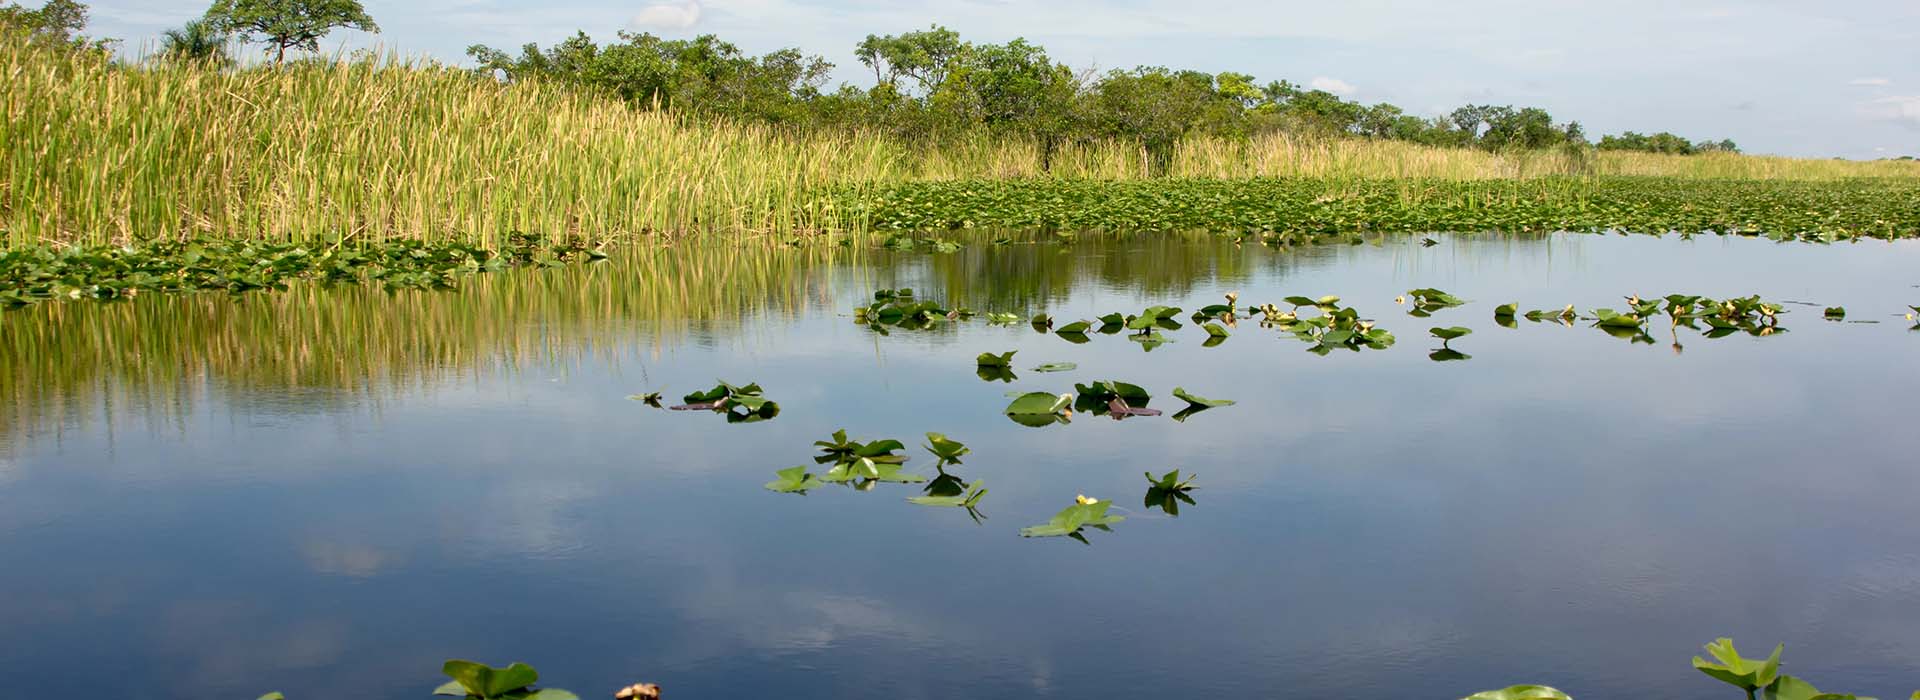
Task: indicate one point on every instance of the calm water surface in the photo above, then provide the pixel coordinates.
(328, 492)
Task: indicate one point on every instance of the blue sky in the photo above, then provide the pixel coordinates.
(1835, 78)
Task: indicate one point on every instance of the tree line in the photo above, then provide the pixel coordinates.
(928, 85)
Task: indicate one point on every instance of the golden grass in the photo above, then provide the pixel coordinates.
(94, 152)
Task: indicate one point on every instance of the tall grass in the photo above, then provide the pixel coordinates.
(98, 152)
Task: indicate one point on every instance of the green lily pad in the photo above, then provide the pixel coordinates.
(1520, 692)
(1080, 327)
(1215, 330)
(1057, 367)
(1039, 403)
(793, 480)
(1182, 394)
(1447, 334)
(988, 359)
(970, 498)
(1069, 522)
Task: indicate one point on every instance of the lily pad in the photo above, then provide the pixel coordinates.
(968, 499)
(1215, 330)
(1084, 513)
(793, 480)
(1057, 367)
(1182, 394)
(1080, 327)
(1520, 692)
(1448, 334)
(988, 359)
(946, 449)
(1039, 403)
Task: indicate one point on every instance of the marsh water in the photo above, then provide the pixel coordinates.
(330, 491)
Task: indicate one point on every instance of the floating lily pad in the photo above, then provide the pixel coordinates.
(1448, 355)
(1084, 513)
(1057, 367)
(967, 499)
(1449, 334)
(1520, 692)
(1080, 327)
(793, 480)
(946, 449)
(1215, 330)
(988, 359)
(1836, 313)
(1182, 394)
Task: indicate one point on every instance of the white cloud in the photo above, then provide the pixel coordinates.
(668, 15)
(1333, 85)
(1871, 82)
(1901, 109)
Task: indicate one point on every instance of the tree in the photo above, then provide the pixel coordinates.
(923, 56)
(288, 24)
(196, 42)
(58, 23)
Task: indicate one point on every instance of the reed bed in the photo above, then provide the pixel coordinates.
(97, 152)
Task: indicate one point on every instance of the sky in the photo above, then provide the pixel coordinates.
(1837, 78)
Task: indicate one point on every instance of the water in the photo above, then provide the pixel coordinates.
(328, 492)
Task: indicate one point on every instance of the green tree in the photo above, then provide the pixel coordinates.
(55, 23)
(196, 42)
(288, 24)
(923, 56)
(1153, 107)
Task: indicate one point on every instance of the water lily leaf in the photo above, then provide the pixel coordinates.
(1057, 367)
(1069, 521)
(1446, 334)
(1004, 375)
(793, 480)
(1836, 313)
(1039, 403)
(1301, 301)
(273, 696)
(1747, 674)
(988, 359)
(1149, 341)
(1520, 692)
(946, 449)
(1448, 355)
(486, 681)
(970, 498)
(1793, 688)
(1080, 327)
(1041, 322)
(1182, 394)
(1109, 390)
(652, 399)
(452, 688)
(1215, 330)
(1506, 310)
(1113, 319)
(1075, 338)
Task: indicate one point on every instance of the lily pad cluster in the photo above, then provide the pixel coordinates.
(741, 404)
(31, 275)
(1756, 676)
(1335, 327)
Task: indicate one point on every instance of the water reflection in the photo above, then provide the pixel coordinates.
(330, 491)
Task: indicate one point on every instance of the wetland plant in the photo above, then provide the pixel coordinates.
(1759, 676)
(1074, 519)
(1520, 692)
(1040, 409)
(483, 682)
(741, 404)
(1168, 491)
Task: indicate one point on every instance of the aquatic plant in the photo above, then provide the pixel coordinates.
(1335, 328)
(1565, 316)
(483, 682)
(1520, 692)
(1447, 335)
(968, 498)
(1040, 409)
(1285, 211)
(945, 449)
(1835, 313)
(793, 480)
(988, 359)
(1057, 367)
(1113, 398)
(1427, 301)
(651, 399)
(1757, 675)
(741, 404)
(1168, 491)
(1071, 521)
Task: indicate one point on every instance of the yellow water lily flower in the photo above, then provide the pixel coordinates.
(1083, 500)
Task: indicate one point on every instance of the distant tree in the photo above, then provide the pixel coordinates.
(196, 42)
(1153, 107)
(923, 56)
(55, 23)
(288, 24)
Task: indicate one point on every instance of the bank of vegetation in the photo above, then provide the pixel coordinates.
(582, 144)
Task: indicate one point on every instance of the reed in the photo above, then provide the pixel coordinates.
(94, 151)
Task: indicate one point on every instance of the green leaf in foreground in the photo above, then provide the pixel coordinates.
(476, 680)
(1792, 688)
(1520, 692)
(1747, 674)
